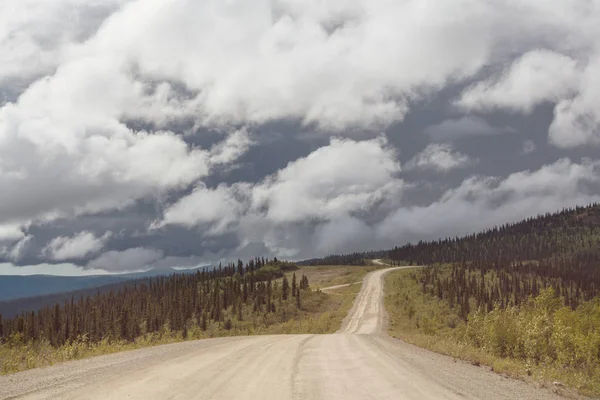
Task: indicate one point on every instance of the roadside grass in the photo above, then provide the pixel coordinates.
(319, 313)
(428, 322)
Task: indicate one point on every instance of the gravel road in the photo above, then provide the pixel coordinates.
(358, 362)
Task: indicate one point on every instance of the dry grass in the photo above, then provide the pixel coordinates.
(332, 275)
(430, 323)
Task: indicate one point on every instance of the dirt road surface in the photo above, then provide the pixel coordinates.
(358, 362)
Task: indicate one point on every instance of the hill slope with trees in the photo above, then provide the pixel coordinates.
(347, 259)
(561, 250)
(256, 297)
(523, 297)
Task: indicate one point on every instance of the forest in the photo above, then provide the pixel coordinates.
(527, 292)
(225, 296)
(363, 258)
(505, 265)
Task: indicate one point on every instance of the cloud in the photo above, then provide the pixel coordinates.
(63, 269)
(344, 177)
(253, 64)
(36, 34)
(19, 249)
(205, 206)
(57, 133)
(440, 157)
(232, 148)
(76, 247)
(345, 234)
(134, 259)
(335, 180)
(336, 184)
(464, 127)
(477, 203)
(63, 152)
(482, 202)
(537, 76)
(577, 120)
(11, 233)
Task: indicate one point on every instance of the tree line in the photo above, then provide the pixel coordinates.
(347, 259)
(174, 302)
(507, 264)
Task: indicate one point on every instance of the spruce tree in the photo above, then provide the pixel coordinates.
(285, 288)
(294, 286)
(204, 323)
(269, 295)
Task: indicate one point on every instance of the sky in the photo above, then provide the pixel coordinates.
(138, 134)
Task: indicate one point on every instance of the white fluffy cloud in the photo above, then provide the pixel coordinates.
(440, 157)
(221, 206)
(344, 177)
(568, 81)
(477, 203)
(264, 61)
(577, 119)
(78, 246)
(536, 77)
(232, 148)
(35, 34)
(335, 185)
(62, 269)
(11, 233)
(350, 66)
(336, 180)
(64, 151)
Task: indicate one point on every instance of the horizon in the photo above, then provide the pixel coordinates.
(73, 271)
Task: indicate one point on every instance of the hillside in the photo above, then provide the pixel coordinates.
(568, 232)
(14, 307)
(347, 259)
(259, 297)
(25, 286)
(17, 286)
(561, 250)
(522, 298)
(128, 312)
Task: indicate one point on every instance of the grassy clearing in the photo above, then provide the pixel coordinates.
(332, 275)
(319, 313)
(426, 321)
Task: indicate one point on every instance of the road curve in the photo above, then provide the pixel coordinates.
(358, 362)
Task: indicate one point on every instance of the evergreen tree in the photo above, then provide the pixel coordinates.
(294, 286)
(204, 323)
(158, 304)
(285, 288)
(298, 304)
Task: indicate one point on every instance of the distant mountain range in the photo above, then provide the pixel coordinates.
(18, 286)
